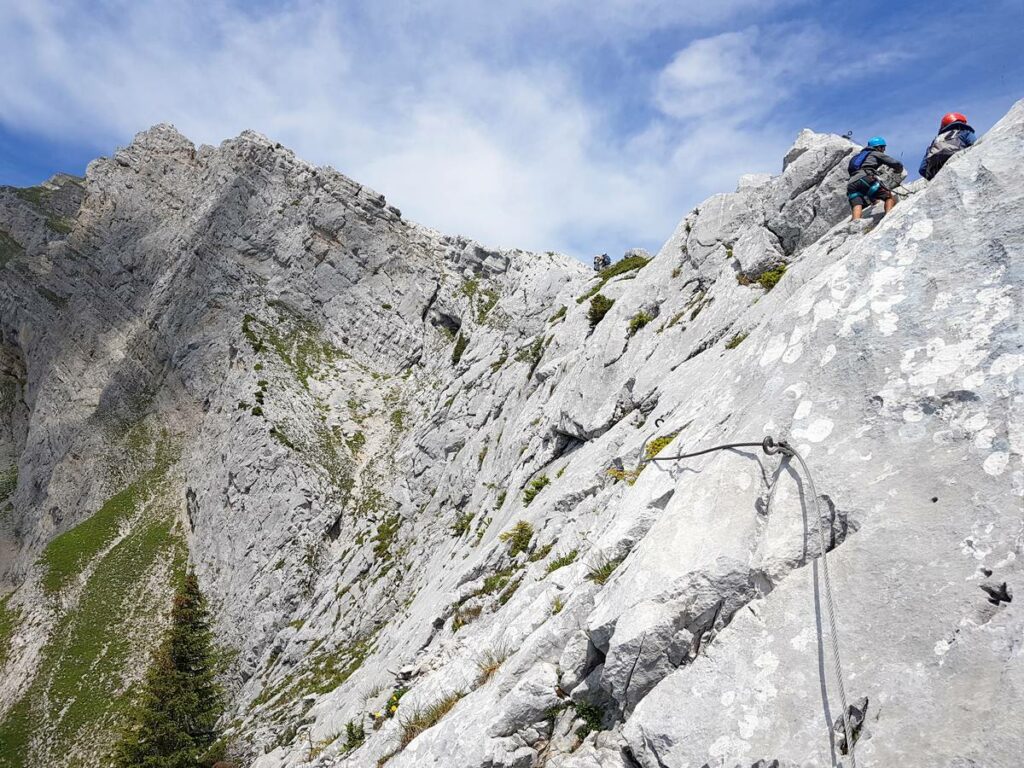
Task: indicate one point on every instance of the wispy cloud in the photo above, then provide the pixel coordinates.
(550, 124)
(736, 77)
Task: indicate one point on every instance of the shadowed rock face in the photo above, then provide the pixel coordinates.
(337, 414)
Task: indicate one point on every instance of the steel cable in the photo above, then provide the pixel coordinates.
(770, 447)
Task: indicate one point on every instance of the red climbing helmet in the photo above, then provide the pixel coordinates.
(953, 117)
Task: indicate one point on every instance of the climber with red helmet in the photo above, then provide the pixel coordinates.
(954, 134)
(865, 187)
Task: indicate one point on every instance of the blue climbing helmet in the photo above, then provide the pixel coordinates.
(876, 141)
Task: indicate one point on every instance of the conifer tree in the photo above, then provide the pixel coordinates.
(175, 722)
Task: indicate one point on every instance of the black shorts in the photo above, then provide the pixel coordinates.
(865, 191)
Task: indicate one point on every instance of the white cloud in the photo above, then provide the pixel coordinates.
(740, 76)
(444, 111)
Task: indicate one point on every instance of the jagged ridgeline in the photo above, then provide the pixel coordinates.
(407, 470)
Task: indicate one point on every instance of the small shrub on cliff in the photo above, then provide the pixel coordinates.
(355, 735)
(767, 279)
(599, 306)
(629, 475)
(460, 346)
(638, 321)
(518, 537)
(592, 717)
(464, 616)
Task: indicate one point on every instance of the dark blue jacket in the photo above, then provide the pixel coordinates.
(965, 136)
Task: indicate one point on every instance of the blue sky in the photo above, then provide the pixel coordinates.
(575, 125)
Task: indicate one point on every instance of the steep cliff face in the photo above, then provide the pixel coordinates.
(387, 452)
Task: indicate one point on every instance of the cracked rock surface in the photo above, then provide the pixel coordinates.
(405, 465)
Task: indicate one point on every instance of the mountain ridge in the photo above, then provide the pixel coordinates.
(339, 414)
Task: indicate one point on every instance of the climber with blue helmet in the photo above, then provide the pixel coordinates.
(864, 187)
(954, 134)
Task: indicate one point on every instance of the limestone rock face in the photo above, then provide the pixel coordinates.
(406, 468)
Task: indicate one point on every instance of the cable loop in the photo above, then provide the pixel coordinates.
(771, 448)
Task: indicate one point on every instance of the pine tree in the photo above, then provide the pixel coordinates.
(175, 723)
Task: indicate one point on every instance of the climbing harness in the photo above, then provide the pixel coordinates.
(771, 447)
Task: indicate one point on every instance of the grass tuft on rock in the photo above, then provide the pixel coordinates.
(496, 581)
(422, 719)
(736, 340)
(536, 486)
(490, 662)
(563, 560)
(603, 568)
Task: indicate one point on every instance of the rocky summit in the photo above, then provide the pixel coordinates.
(412, 472)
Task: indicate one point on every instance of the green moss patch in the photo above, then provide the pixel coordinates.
(767, 279)
(67, 555)
(296, 341)
(9, 248)
(736, 340)
(657, 445)
(79, 697)
(485, 303)
(8, 482)
(386, 533)
(461, 342)
(8, 622)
